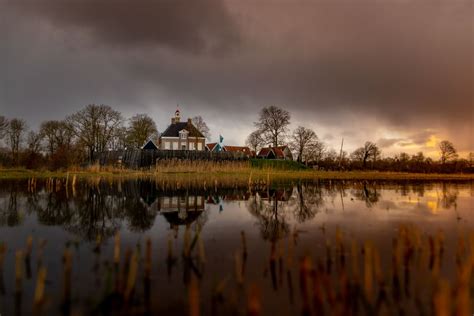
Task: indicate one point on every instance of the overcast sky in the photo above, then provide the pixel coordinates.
(396, 72)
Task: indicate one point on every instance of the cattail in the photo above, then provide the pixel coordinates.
(39, 290)
(355, 260)
(67, 269)
(117, 248)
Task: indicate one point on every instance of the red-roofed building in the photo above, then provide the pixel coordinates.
(280, 152)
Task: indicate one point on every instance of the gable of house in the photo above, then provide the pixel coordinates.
(150, 145)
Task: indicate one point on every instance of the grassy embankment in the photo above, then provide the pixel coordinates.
(253, 169)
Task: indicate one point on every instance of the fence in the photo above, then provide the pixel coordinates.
(141, 158)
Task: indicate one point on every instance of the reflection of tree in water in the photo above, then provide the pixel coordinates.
(309, 199)
(271, 221)
(449, 196)
(140, 218)
(9, 213)
(367, 193)
(95, 214)
(52, 209)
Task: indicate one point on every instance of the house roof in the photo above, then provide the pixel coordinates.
(278, 152)
(150, 145)
(211, 146)
(264, 152)
(174, 129)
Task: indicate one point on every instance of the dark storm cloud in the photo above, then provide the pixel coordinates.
(191, 26)
(346, 69)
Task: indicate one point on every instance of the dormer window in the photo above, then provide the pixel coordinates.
(183, 134)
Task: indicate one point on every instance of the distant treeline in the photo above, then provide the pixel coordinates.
(77, 140)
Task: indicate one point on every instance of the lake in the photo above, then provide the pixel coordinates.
(142, 246)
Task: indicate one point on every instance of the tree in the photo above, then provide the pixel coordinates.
(365, 153)
(15, 132)
(95, 126)
(3, 126)
(56, 134)
(273, 124)
(301, 141)
(255, 141)
(447, 150)
(141, 128)
(34, 142)
(201, 125)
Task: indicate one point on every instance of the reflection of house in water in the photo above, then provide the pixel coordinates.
(178, 210)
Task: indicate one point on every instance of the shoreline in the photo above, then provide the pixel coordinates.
(250, 173)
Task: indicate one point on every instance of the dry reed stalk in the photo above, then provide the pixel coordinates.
(201, 250)
(442, 299)
(186, 242)
(67, 270)
(39, 290)
(368, 271)
(193, 297)
(355, 261)
(132, 276)
(243, 241)
(254, 304)
(462, 299)
(305, 272)
(238, 268)
(117, 248)
(18, 271)
(3, 250)
(148, 258)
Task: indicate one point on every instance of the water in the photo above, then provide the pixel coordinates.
(307, 214)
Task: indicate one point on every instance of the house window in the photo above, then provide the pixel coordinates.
(183, 134)
(199, 146)
(191, 146)
(183, 147)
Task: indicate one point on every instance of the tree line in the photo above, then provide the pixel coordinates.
(272, 129)
(73, 141)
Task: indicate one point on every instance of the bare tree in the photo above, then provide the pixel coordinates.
(57, 134)
(365, 153)
(95, 127)
(201, 125)
(3, 126)
(447, 150)
(255, 141)
(15, 133)
(273, 124)
(315, 152)
(141, 128)
(301, 142)
(33, 141)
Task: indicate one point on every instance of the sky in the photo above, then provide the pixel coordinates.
(396, 72)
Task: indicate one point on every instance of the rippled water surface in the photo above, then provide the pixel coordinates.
(198, 260)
